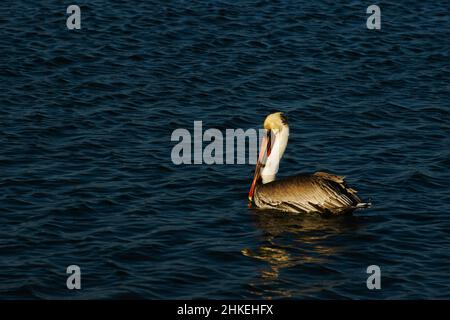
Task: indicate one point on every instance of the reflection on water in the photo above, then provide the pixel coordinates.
(292, 240)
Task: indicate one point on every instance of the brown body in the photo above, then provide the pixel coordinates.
(317, 193)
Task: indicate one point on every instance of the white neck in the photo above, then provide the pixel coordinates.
(270, 169)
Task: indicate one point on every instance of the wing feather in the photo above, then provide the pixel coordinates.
(321, 192)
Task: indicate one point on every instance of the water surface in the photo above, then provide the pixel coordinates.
(86, 175)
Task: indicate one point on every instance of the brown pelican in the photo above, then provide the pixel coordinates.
(320, 192)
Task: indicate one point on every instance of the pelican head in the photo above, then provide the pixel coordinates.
(275, 121)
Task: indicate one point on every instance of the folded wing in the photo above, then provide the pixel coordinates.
(321, 192)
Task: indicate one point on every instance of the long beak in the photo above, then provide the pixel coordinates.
(265, 145)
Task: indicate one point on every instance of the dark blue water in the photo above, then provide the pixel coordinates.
(86, 175)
